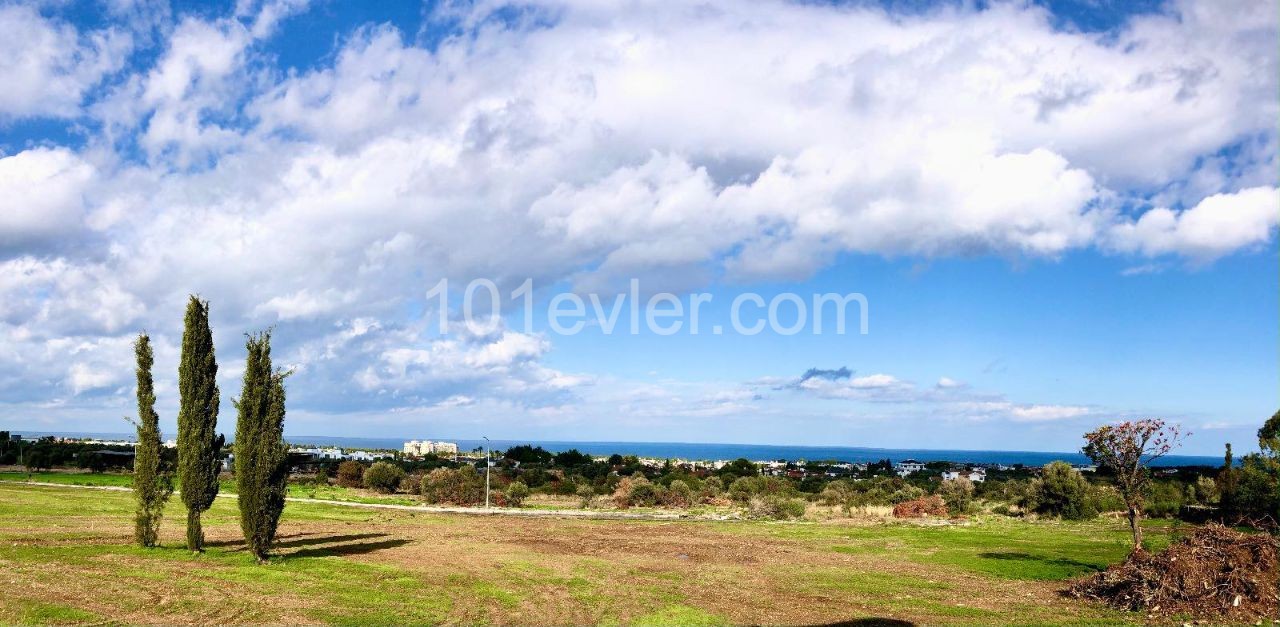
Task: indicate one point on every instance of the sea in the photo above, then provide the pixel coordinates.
(707, 451)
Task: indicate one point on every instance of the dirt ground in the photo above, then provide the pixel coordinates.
(388, 567)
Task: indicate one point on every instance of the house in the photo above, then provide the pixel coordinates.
(977, 475)
(909, 466)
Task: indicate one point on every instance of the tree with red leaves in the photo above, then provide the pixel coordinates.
(1127, 449)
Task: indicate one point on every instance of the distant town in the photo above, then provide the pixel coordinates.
(305, 456)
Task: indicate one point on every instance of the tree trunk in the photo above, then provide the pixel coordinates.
(195, 535)
(1134, 525)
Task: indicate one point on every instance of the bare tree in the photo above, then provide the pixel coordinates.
(1127, 449)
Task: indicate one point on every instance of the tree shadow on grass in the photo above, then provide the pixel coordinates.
(298, 540)
(319, 539)
(1027, 557)
(351, 548)
(872, 621)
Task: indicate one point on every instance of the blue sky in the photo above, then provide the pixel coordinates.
(1060, 214)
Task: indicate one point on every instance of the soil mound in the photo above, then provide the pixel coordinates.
(1215, 572)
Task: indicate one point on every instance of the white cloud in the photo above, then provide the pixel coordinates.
(46, 67)
(1216, 226)
(755, 140)
(41, 196)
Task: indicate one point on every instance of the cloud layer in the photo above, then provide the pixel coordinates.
(587, 143)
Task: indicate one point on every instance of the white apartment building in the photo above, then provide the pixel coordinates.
(418, 448)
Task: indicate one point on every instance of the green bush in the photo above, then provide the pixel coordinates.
(453, 486)
(678, 494)
(775, 507)
(957, 494)
(586, 496)
(744, 488)
(1063, 491)
(350, 474)
(383, 476)
(516, 493)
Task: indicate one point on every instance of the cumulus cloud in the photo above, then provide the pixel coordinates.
(583, 142)
(1216, 226)
(47, 66)
(42, 197)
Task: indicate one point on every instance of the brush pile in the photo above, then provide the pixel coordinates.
(921, 507)
(1216, 572)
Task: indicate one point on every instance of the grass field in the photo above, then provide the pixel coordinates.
(66, 557)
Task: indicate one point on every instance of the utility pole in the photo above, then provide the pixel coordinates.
(487, 463)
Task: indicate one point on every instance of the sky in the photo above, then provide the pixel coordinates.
(1058, 214)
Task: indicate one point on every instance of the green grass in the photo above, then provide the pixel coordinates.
(996, 546)
(36, 612)
(677, 614)
(82, 537)
(119, 480)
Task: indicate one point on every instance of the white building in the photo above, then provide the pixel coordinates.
(418, 448)
(977, 475)
(908, 466)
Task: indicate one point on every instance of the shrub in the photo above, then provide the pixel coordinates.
(1204, 491)
(1165, 499)
(957, 494)
(1062, 491)
(350, 474)
(678, 494)
(775, 507)
(410, 483)
(712, 487)
(383, 476)
(460, 486)
(516, 493)
(743, 488)
(586, 495)
(921, 507)
(635, 491)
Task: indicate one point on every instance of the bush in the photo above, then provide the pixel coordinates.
(712, 487)
(635, 491)
(1204, 491)
(1062, 491)
(410, 483)
(678, 494)
(460, 486)
(516, 493)
(1165, 499)
(586, 495)
(743, 488)
(775, 507)
(383, 476)
(957, 494)
(350, 474)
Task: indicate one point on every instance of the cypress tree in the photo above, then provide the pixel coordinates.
(151, 486)
(198, 444)
(261, 455)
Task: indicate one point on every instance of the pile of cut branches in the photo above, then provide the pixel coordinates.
(1216, 572)
(921, 507)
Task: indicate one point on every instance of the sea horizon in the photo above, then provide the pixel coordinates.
(697, 450)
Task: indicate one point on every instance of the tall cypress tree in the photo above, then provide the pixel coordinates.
(198, 444)
(261, 455)
(151, 486)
